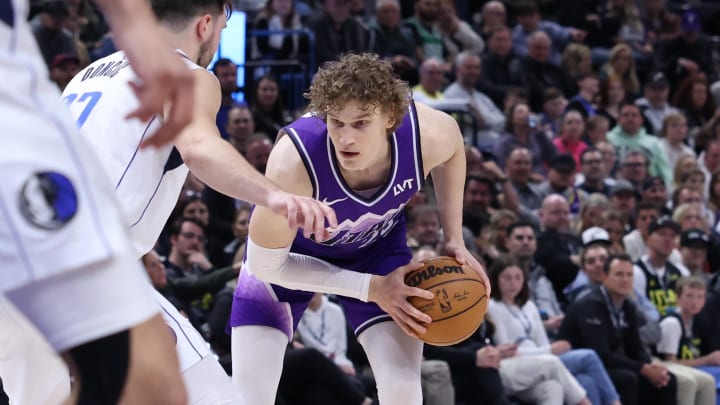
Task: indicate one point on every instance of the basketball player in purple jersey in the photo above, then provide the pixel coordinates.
(365, 150)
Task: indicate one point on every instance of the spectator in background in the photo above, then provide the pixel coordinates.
(48, 29)
(623, 198)
(592, 259)
(576, 63)
(614, 223)
(596, 129)
(529, 22)
(423, 224)
(538, 73)
(629, 134)
(86, 22)
(694, 245)
(632, 32)
(278, 15)
(493, 16)
(235, 250)
(571, 130)
(680, 349)
(686, 54)
(500, 66)
(63, 68)
(591, 214)
(432, 82)
(693, 98)
(240, 126)
(336, 33)
(655, 192)
(554, 105)
(426, 33)
(257, 151)
(558, 250)
(655, 106)
(584, 100)
(561, 180)
(709, 159)
(488, 118)
(155, 269)
(684, 165)
(394, 41)
(605, 320)
(634, 167)
(266, 105)
(622, 65)
(672, 138)
(521, 130)
(458, 35)
(635, 241)
(226, 72)
(519, 171)
(661, 23)
(593, 173)
(612, 96)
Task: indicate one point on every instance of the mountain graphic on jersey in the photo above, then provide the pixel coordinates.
(365, 230)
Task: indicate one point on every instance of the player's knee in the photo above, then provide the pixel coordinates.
(102, 367)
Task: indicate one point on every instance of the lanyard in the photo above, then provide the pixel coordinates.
(322, 327)
(524, 322)
(616, 316)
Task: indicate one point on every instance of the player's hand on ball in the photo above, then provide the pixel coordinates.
(463, 256)
(304, 212)
(391, 294)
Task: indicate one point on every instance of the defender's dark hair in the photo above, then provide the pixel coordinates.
(179, 12)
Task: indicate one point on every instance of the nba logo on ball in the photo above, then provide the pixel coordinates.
(460, 301)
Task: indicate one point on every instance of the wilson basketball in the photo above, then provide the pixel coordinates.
(460, 301)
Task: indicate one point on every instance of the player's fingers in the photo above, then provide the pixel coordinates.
(329, 214)
(405, 328)
(419, 292)
(178, 117)
(412, 266)
(415, 313)
(291, 213)
(414, 327)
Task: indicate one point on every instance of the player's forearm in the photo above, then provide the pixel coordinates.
(306, 273)
(217, 164)
(449, 181)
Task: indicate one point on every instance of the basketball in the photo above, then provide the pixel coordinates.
(460, 301)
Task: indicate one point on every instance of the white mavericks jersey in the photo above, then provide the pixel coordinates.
(147, 182)
(56, 211)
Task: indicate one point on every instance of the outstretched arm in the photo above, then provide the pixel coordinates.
(166, 81)
(444, 156)
(216, 163)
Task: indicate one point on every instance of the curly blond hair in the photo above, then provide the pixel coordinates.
(362, 78)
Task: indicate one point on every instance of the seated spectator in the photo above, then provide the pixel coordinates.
(500, 65)
(554, 104)
(709, 159)
(633, 33)
(571, 130)
(235, 250)
(226, 72)
(267, 106)
(633, 167)
(430, 88)
(63, 68)
(530, 22)
(694, 245)
(500, 222)
(612, 96)
(423, 225)
(591, 213)
(458, 36)
(678, 346)
(278, 15)
(622, 65)
(599, 19)
(48, 28)
(693, 98)
(654, 274)
(686, 54)
(673, 136)
(714, 196)
(538, 73)
(593, 178)
(518, 321)
(561, 180)
(488, 119)
(426, 33)
(609, 156)
(493, 16)
(605, 320)
(653, 191)
(614, 223)
(558, 250)
(596, 129)
(521, 131)
(592, 259)
(624, 198)
(518, 169)
(394, 41)
(660, 22)
(336, 32)
(576, 63)
(635, 241)
(584, 100)
(240, 126)
(522, 247)
(655, 106)
(683, 166)
(193, 206)
(629, 134)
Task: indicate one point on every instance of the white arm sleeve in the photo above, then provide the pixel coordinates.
(301, 272)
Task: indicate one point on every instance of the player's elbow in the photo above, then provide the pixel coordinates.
(265, 264)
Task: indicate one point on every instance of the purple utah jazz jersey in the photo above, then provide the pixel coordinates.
(363, 223)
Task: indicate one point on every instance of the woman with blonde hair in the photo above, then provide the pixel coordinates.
(683, 165)
(672, 138)
(614, 223)
(622, 64)
(591, 213)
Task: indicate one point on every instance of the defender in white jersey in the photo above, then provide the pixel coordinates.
(148, 182)
(67, 264)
